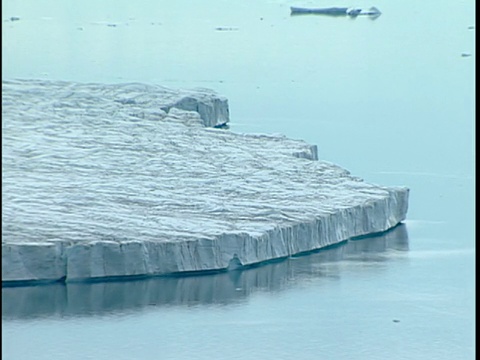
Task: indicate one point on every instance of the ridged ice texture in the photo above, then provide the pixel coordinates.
(120, 180)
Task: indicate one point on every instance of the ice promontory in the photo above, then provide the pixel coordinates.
(105, 181)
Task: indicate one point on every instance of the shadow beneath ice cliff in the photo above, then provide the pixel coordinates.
(83, 299)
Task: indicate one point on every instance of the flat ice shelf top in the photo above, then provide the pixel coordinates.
(89, 163)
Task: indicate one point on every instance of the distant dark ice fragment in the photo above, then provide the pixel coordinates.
(223, 28)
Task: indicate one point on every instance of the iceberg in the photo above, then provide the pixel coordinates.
(105, 181)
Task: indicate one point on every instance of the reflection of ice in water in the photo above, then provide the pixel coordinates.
(221, 288)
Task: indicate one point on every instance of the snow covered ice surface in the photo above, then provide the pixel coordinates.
(105, 181)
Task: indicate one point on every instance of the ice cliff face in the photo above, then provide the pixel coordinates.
(124, 180)
(79, 299)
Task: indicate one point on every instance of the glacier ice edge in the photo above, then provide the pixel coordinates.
(96, 259)
(110, 259)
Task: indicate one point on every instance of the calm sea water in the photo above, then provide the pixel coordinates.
(391, 100)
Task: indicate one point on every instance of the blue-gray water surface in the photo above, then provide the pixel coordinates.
(390, 99)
